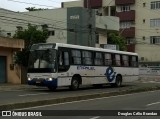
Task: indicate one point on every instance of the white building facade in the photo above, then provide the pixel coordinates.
(139, 24)
(59, 24)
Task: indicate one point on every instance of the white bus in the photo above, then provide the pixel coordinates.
(56, 64)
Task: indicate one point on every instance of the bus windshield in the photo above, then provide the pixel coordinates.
(42, 60)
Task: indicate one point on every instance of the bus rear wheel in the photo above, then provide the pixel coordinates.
(118, 82)
(74, 84)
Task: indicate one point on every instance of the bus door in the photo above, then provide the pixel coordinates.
(63, 67)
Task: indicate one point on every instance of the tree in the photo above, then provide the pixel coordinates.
(30, 36)
(117, 39)
(34, 9)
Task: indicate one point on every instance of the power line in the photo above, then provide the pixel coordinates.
(32, 4)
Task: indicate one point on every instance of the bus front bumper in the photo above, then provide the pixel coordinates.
(44, 82)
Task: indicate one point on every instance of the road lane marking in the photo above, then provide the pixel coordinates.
(95, 117)
(83, 100)
(33, 94)
(153, 103)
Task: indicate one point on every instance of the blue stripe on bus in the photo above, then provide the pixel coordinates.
(44, 82)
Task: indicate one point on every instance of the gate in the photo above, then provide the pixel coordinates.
(2, 69)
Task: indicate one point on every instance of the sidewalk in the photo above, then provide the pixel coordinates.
(8, 86)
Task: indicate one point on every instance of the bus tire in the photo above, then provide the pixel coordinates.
(118, 82)
(75, 83)
(51, 88)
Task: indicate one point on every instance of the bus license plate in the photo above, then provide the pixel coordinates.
(38, 81)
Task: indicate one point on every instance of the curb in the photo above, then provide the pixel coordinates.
(13, 106)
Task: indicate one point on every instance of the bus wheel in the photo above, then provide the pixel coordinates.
(51, 88)
(74, 84)
(118, 82)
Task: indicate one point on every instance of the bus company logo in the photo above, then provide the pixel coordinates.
(110, 74)
(85, 68)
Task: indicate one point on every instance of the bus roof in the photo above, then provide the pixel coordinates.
(94, 48)
(86, 48)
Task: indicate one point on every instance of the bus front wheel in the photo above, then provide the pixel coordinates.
(74, 84)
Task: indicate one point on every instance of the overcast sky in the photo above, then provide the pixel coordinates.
(20, 5)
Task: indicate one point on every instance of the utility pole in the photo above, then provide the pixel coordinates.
(89, 23)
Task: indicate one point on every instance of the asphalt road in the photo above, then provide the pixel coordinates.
(37, 93)
(138, 101)
(123, 103)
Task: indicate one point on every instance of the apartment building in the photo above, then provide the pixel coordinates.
(139, 24)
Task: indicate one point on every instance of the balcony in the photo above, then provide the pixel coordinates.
(128, 32)
(124, 2)
(94, 4)
(126, 16)
(131, 48)
(11, 43)
(107, 22)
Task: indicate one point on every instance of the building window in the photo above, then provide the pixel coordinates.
(51, 33)
(130, 41)
(19, 28)
(155, 39)
(87, 58)
(76, 57)
(98, 60)
(144, 4)
(125, 25)
(97, 38)
(144, 20)
(8, 34)
(155, 22)
(155, 5)
(125, 8)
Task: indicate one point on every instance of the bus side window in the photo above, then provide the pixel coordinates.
(87, 58)
(118, 60)
(133, 61)
(66, 58)
(98, 59)
(60, 58)
(108, 59)
(63, 58)
(63, 61)
(125, 60)
(76, 57)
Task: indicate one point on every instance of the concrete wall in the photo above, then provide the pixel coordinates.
(79, 3)
(7, 48)
(13, 76)
(150, 52)
(54, 18)
(79, 20)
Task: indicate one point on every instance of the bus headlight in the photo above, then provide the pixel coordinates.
(29, 79)
(50, 79)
